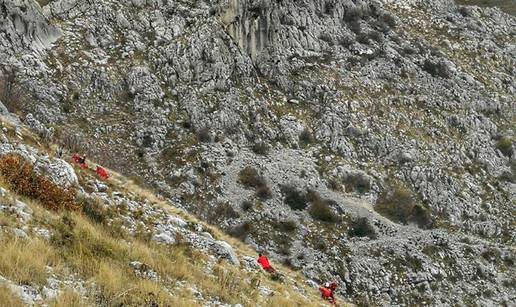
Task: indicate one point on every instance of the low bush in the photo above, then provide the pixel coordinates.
(294, 198)
(306, 137)
(20, 175)
(357, 182)
(246, 205)
(376, 36)
(345, 41)
(355, 26)
(437, 68)
(287, 225)
(504, 145)
(224, 210)
(398, 204)
(361, 228)
(320, 210)
(335, 184)
(363, 38)
(249, 177)
(261, 148)
(204, 135)
(263, 192)
(241, 231)
(389, 20)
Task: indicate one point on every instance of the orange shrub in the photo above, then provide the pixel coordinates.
(20, 175)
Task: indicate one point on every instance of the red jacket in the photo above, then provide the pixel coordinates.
(264, 262)
(326, 293)
(102, 173)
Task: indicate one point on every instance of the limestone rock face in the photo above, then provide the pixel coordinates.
(343, 109)
(24, 26)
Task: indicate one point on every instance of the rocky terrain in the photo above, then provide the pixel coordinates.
(70, 238)
(370, 142)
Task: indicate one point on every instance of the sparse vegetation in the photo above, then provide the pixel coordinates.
(320, 210)
(93, 208)
(437, 68)
(9, 90)
(250, 177)
(241, 231)
(357, 182)
(361, 227)
(263, 192)
(261, 148)
(399, 205)
(287, 225)
(306, 137)
(246, 205)
(17, 261)
(204, 135)
(224, 210)
(504, 145)
(294, 198)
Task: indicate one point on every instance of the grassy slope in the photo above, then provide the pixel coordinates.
(100, 254)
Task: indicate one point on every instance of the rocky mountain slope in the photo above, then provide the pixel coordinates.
(71, 239)
(369, 142)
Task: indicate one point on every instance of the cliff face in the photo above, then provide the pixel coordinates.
(379, 133)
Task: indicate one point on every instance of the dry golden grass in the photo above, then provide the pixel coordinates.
(24, 261)
(7, 298)
(68, 298)
(101, 254)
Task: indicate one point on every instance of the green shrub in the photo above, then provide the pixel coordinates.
(249, 177)
(504, 145)
(306, 137)
(287, 225)
(246, 205)
(204, 135)
(398, 204)
(223, 210)
(361, 228)
(294, 198)
(261, 148)
(357, 182)
(321, 210)
(263, 192)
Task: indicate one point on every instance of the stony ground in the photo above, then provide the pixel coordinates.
(121, 245)
(371, 142)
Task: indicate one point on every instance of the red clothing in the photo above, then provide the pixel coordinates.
(102, 173)
(264, 262)
(76, 158)
(327, 294)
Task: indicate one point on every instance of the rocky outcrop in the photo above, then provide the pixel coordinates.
(24, 27)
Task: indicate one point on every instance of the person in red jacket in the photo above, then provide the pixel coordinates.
(264, 262)
(327, 292)
(103, 174)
